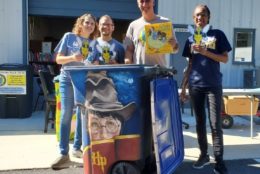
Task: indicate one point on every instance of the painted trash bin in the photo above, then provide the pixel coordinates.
(130, 114)
(58, 112)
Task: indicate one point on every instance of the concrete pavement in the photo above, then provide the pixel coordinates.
(23, 145)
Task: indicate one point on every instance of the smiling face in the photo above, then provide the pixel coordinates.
(88, 25)
(106, 26)
(201, 16)
(145, 5)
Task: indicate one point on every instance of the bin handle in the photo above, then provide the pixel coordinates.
(165, 71)
(10, 64)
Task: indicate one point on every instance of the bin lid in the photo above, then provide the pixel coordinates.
(167, 125)
(78, 75)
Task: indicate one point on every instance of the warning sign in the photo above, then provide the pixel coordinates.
(13, 82)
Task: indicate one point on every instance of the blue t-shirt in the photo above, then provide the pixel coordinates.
(105, 51)
(205, 72)
(73, 44)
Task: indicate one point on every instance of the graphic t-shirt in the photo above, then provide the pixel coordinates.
(205, 72)
(136, 36)
(73, 44)
(104, 51)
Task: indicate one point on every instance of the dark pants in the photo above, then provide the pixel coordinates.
(213, 97)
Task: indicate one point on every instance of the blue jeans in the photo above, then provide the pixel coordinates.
(67, 105)
(213, 96)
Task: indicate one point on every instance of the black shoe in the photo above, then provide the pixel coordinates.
(220, 168)
(202, 161)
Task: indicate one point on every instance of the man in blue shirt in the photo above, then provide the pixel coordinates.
(107, 50)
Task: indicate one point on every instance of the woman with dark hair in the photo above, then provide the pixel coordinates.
(206, 49)
(72, 50)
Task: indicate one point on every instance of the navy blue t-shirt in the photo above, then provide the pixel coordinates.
(205, 72)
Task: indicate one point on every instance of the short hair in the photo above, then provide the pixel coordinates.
(205, 7)
(106, 16)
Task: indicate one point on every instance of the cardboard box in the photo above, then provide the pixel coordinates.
(240, 105)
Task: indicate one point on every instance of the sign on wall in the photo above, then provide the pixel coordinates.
(13, 82)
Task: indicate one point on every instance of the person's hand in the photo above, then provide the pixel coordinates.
(183, 96)
(199, 49)
(78, 57)
(112, 61)
(128, 61)
(173, 42)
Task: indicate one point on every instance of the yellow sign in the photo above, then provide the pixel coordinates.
(13, 82)
(16, 80)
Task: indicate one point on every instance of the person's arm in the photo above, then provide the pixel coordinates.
(174, 44)
(185, 80)
(62, 59)
(129, 54)
(217, 57)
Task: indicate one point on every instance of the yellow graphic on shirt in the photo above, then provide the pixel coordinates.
(141, 37)
(84, 49)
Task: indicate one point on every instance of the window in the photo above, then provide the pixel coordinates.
(244, 45)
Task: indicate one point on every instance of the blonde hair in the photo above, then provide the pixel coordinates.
(79, 23)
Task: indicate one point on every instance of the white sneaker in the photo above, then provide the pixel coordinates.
(77, 153)
(61, 162)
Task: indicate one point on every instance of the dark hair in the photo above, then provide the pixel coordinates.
(114, 114)
(205, 7)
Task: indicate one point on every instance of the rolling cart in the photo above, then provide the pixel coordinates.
(131, 120)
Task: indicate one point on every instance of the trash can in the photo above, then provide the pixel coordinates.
(130, 116)
(58, 110)
(16, 90)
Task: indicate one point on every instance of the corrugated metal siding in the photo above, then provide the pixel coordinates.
(11, 36)
(225, 15)
(117, 9)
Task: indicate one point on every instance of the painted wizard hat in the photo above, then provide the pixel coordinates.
(102, 96)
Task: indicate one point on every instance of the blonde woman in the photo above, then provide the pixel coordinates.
(73, 49)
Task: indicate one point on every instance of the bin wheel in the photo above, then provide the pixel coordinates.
(227, 121)
(125, 168)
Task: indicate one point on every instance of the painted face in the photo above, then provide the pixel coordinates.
(88, 25)
(200, 17)
(145, 5)
(102, 128)
(106, 26)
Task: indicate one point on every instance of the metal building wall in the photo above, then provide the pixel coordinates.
(11, 31)
(117, 9)
(225, 15)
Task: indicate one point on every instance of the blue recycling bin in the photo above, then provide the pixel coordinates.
(130, 114)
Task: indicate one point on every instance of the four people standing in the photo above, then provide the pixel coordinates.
(203, 74)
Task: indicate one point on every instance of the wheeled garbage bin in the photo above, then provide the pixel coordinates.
(16, 90)
(130, 116)
(58, 111)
